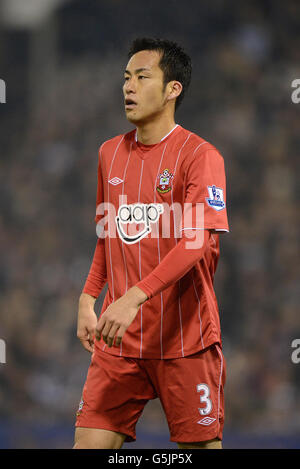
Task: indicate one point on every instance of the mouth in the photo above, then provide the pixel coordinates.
(130, 104)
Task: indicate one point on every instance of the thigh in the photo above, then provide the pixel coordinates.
(114, 395)
(94, 438)
(210, 444)
(191, 390)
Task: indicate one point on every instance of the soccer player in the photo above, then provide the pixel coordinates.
(161, 205)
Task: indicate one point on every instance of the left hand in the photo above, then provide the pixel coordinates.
(119, 315)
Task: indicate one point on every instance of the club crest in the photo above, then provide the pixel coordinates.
(165, 179)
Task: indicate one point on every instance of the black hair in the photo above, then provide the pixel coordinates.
(174, 62)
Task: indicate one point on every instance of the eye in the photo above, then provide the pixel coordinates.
(126, 78)
(142, 76)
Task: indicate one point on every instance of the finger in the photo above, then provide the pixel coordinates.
(111, 335)
(119, 337)
(99, 328)
(106, 330)
(86, 345)
(91, 335)
(91, 341)
(84, 335)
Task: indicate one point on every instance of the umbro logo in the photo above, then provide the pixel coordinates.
(115, 181)
(206, 421)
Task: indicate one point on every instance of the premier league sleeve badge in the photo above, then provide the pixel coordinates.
(216, 198)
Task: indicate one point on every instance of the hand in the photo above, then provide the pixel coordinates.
(119, 315)
(87, 321)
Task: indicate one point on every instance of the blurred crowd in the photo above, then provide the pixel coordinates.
(245, 57)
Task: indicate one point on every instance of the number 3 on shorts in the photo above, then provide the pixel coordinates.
(204, 389)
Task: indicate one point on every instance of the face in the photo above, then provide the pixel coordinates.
(144, 93)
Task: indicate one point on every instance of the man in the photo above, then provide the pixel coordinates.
(161, 192)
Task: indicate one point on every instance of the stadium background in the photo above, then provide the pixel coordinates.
(63, 63)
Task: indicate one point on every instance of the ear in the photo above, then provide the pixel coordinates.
(174, 90)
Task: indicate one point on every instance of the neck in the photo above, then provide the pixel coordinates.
(152, 132)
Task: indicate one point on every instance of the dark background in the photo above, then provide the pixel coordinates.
(63, 64)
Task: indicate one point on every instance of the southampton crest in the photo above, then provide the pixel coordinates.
(164, 181)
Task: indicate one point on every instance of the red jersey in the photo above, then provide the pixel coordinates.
(142, 196)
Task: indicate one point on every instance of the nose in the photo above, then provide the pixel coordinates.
(130, 86)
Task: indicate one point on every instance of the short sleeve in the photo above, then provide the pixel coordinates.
(205, 196)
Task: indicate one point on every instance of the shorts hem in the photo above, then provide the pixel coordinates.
(130, 438)
(192, 439)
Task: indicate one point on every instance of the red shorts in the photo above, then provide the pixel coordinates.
(191, 391)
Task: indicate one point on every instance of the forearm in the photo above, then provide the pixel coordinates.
(86, 300)
(173, 266)
(96, 278)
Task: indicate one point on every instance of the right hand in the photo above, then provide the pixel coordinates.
(87, 321)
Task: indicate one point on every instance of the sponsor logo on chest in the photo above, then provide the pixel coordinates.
(130, 214)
